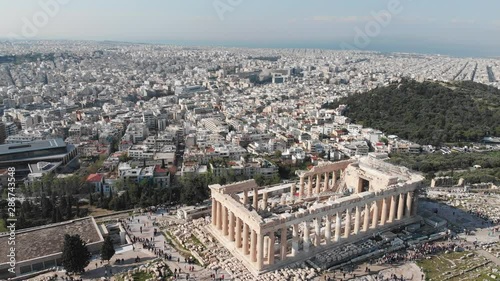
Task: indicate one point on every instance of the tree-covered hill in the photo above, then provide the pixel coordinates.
(428, 112)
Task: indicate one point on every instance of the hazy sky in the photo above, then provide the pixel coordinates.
(445, 26)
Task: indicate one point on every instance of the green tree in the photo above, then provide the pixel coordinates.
(274, 179)
(259, 180)
(75, 256)
(277, 154)
(193, 189)
(124, 158)
(119, 184)
(90, 189)
(107, 249)
(77, 209)
(69, 208)
(428, 112)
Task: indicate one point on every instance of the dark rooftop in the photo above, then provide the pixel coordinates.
(31, 146)
(46, 240)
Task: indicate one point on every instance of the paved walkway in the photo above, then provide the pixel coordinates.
(93, 272)
(97, 269)
(489, 256)
(410, 271)
(483, 231)
(177, 262)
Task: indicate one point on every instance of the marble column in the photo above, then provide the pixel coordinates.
(238, 232)
(245, 197)
(264, 200)
(327, 184)
(270, 253)
(295, 240)
(392, 212)
(409, 201)
(401, 205)
(214, 212)
(414, 205)
(231, 226)
(347, 225)
(366, 222)
(317, 229)
(301, 187)
(283, 199)
(328, 230)
(284, 242)
(256, 199)
(375, 215)
(253, 246)
(224, 221)
(318, 184)
(357, 220)
(266, 245)
(337, 227)
(292, 192)
(306, 236)
(245, 238)
(309, 186)
(219, 215)
(334, 178)
(383, 217)
(260, 251)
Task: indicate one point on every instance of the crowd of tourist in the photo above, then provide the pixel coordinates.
(160, 252)
(485, 216)
(416, 252)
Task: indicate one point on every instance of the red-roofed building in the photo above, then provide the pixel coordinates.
(97, 180)
(159, 169)
(339, 133)
(161, 177)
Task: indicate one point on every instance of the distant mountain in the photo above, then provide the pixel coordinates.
(428, 112)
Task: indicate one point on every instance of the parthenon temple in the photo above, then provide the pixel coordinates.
(332, 204)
